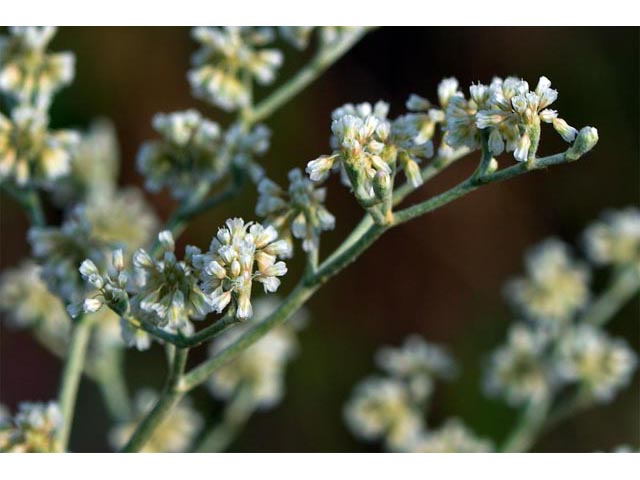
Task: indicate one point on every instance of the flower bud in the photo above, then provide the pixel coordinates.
(382, 184)
(587, 139)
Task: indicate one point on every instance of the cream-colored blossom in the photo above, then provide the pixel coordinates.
(615, 238)
(452, 437)
(32, 430)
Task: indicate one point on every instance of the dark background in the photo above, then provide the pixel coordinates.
(440, 276)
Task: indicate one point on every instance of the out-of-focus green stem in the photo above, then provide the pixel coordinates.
(531, 423)
(625, 284)
(112, 384)
(235, 416)
(169, 397)
(71, 376)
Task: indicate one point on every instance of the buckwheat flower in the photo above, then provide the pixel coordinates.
(61, 250)
(359, 136)
(382, 409)
(30, 153)
(411, 134)
(226, 57)
(261, 367)
(587, 139)
(418, 362)
(461, 116)
(240, 254)
(453, 437)
(32, 430)
(599, 363)
(519, 371)
(514, 108)
(187, 155)
(167, 289)
(27, 71)
(298, 37)
(110, 287)
(615, 238)
(556, 286)
(174, 435)
(240, 149)
(131, 335)
(27, 302)
(300, 211)
(94, 169)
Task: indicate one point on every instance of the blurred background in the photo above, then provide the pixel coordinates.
(446, 283)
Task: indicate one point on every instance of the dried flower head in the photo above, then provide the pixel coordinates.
(32, 430)
(240, 254)
(556, 286)
(174, 435)
(27, 71)
(300, 211)
(30, 153)
(228, 60)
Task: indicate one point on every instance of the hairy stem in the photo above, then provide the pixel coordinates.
(71, 376)
(169, 397)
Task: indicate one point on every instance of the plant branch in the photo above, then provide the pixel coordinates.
(71, 376)
(169, 397)
(623, 287)
(531, 423)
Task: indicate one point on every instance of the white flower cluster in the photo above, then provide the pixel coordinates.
(556, 286)
(391, 408)
(556, 348)
(188, 153)
(194, 150)
(260, 369)
(615, 239)
(32, 430)
(300, 211)
(27, 71)
(509, 113)
(170, 293)
(229, 59)
(176, 433)
(30, 153)
(367, 149)
(240, 254)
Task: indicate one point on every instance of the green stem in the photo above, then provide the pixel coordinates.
(235, 416)
(169, 397)
(29, 200)
(624, 286)
(71, 376)
(529, 426)
(320, 62)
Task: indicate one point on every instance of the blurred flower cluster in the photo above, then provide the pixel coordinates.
(558, 345)
(392, 407)
(31, 430)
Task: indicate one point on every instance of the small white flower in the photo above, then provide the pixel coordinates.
(615, 239)
(34, 429)
(453, 437)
